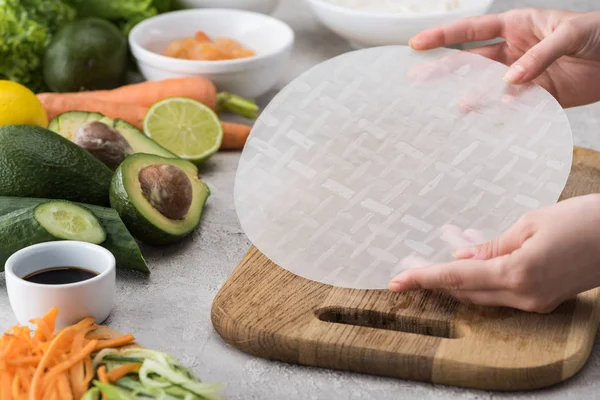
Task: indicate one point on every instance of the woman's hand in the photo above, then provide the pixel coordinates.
(558, 50)
(548, 256)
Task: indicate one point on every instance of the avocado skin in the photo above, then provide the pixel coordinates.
(36, 162)
(141, 226)
(89, 54)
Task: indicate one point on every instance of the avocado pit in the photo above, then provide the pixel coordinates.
(167, 188)
(105, 143)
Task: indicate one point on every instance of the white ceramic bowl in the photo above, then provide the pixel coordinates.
(260, 6)
(271, 39)
(367, 28)
(90, 298)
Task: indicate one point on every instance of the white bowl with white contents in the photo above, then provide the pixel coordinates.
(260, 6)
(369, 23)
(271, 40)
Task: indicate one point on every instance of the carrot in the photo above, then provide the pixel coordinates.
(56, 104)
(116, 342)
(64, 389)
(121, 371)
(102, 374)
(5, 386)
(234, 135)
(89, 373)
(72, 360)
(146, 93)
(36, 384)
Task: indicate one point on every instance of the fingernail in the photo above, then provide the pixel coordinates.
(514, 74)
(394, 286)
(414, 42)
(464, 252)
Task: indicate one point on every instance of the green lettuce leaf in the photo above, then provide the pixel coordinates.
(26, 28)
(124, 13)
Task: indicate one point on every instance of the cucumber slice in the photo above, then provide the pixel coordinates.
(118, 239)
(21, 228)
(65, 220)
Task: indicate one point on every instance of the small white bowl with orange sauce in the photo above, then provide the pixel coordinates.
(270, 39)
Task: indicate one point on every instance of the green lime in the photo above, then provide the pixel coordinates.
(185, 127)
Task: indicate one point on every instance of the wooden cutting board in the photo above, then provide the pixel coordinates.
(269, 312)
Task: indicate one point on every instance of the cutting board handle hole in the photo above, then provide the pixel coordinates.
(387, 321)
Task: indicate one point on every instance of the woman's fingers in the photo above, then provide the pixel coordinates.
(506, 243)
(533, 63)
(457, 275)
(471, 29)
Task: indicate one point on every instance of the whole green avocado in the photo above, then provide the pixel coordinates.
(36, 162)
(90, 54)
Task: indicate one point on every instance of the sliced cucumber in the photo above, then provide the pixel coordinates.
(118, 239)
(65, 220)
(21, 228)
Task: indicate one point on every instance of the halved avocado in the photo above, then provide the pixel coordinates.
(159, 199)
(68, 124)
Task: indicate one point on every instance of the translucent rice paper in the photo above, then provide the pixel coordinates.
(386, 158)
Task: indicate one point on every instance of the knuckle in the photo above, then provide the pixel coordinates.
(517, 278)
(526, 224)
(571, 28)
(517, 12)
(451, 280)
(470, 34)
(488, 249)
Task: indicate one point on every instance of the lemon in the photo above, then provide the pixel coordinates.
(18, 105)
(185, 127)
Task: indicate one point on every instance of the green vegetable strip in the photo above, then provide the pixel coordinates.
(160, 377)
(237, 105)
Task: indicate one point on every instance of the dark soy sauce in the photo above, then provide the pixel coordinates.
(60, 275)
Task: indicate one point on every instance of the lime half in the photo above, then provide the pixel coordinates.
(185, 127)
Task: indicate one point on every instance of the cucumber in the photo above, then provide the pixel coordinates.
(65, 220)
(118, 239)
(46, 222)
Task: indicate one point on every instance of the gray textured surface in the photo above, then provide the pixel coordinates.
(171, 309)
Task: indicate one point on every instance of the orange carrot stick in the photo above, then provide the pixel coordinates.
(36, 384)
(64, 389)
(113, 343)
(234, 135)
(72, 360)
(121, 371)
(76, 372)
(147, 93)
(56, 104)
(5, 386)
(102, 374)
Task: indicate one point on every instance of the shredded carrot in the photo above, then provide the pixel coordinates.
(36, 385)
(102, 377)
(119, 372)
(76, 372)
(103, 336)
(116, 342)
(5, 382)
(89, 372)
(73, 360)
(64, 389)
(43, 365)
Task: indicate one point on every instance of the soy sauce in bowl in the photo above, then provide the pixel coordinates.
(60, 275)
